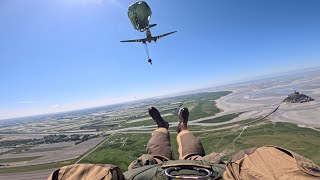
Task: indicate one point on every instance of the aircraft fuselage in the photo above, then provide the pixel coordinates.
(149, 36)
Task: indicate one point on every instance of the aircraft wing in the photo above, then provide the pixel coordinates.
(135, 40)
(155, 38)
(163, 35)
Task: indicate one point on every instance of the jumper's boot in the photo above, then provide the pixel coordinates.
(155, 114)
(183, 119)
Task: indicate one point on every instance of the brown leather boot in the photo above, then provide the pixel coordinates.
(155, 114)
(183, 119)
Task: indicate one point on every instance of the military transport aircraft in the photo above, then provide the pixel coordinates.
(149, 38)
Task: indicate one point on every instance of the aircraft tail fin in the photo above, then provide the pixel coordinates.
(152, 25)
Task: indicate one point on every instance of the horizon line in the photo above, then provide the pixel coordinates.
(173, 94)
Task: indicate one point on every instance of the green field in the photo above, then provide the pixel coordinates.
(213, 127)
(190, 104)
(149, 122)
(301, 140)
(200, 96)
(200, 105)
(114, 152)
(223, 118)
(204, 108)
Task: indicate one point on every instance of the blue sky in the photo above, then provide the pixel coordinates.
(59, 55)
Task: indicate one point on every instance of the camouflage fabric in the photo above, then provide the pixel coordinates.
(270, 162)
(87, 171)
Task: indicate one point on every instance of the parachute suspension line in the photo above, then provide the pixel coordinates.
(146, 48)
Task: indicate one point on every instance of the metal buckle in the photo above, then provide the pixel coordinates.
(167, 172)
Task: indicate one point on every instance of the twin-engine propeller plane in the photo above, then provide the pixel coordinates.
(149, 37)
